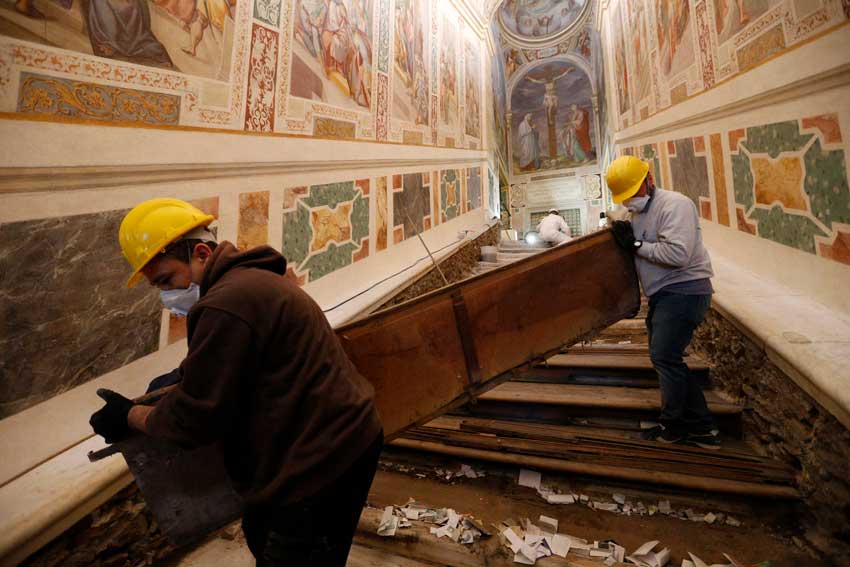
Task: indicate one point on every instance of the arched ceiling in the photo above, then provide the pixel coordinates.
(538, 23)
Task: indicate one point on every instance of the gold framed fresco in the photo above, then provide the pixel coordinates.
(323, 68)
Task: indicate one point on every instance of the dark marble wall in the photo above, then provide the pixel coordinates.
(66, 316)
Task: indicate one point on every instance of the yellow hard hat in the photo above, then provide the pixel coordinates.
(151, 226)
(624, 177)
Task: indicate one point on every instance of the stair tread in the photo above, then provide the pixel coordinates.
(596, 359)
(612, 397)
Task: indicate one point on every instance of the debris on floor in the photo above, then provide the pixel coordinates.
(460, 528)
(621, 504)
(697, 562)
(644, 556)
(530, 542)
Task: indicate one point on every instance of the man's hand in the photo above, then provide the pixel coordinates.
(111, 420)
(624, 235)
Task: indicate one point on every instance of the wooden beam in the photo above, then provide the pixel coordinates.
(751, 489)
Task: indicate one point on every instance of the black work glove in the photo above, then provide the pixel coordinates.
(624, 235)
(111, 420)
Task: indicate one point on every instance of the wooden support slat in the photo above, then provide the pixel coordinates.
(689, 482)
(615, 360)
(610, 397)
(610, 454)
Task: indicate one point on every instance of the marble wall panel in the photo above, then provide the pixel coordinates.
(381, 214)
(473, 188)
(66, 316)
(790, 184)
(412, 205)
(325, 227)
(450, 194)
(689, 168)
(253, 229)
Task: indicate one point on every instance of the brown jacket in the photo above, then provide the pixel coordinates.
(266, 376)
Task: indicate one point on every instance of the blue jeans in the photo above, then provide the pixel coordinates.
(671, 321)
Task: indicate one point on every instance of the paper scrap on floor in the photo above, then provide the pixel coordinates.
(528, 478)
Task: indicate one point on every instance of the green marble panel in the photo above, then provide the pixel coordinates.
(360, 218)
(335, 257)
(742, 180)
(826, 184)
(447, 178)
(789, 229)
(330, 194)
(773, 139)
(297, 234)
(648, 154)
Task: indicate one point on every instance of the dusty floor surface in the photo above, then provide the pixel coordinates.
(763, 535)
(498, 497)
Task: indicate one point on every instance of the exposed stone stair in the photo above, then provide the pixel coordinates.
(509, 251)
(583, 412)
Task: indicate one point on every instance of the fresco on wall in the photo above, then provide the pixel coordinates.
(638, 44)
(621, 70)
(675, 31)
(472, 88)
(182, 35)
(790, 184)
(539, 18)
(410, 77)
(332, 52)
(497, 82)
(513, 60)
(325, 227)
(552, 119)
(732, 16)
(411, 205)
(448, 75)
(695, 44)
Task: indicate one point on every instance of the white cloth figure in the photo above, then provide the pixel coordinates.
(554, 229)
(528, 149)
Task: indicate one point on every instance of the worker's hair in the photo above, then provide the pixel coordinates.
(183, 248)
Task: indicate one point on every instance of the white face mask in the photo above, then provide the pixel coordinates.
(179, 301)
(636, 204)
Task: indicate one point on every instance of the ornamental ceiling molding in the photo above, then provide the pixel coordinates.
(516, 40)
(580, 62)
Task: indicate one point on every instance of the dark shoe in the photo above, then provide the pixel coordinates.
(661, 434)
(706, 440)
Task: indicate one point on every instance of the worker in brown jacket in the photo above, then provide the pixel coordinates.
(265, 376)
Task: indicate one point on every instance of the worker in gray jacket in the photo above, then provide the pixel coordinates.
(675, 272)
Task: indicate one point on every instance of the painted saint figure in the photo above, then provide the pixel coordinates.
(575, 139)
(122, 30)
(528, 144)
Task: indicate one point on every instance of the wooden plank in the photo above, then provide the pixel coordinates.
(604, 360)
(609, 455)
(413, 353)
(667, 478)
(616, 397)
(734, 454)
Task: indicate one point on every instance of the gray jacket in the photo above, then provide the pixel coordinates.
(672, 250)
